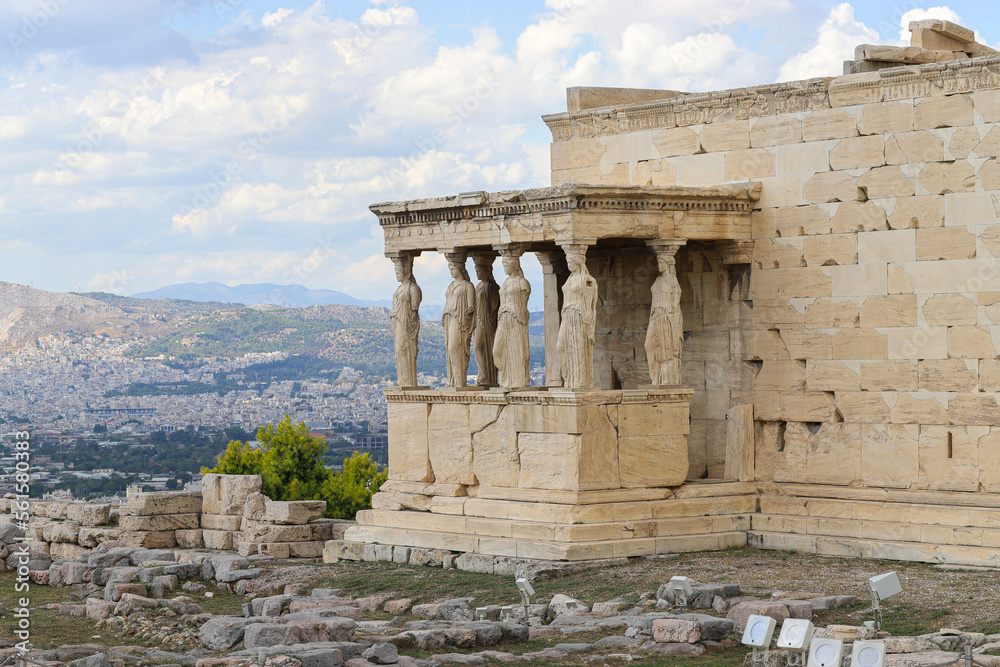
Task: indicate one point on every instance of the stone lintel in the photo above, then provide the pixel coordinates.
(554, 396)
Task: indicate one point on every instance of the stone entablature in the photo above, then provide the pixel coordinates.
(682, 110)
(563, 214)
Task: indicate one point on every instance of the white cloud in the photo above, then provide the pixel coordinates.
(944, 13)
(835, 43)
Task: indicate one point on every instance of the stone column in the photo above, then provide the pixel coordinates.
(510, 348)
(665, 334)
(578, 320)
(554, 275)
(458, 319)
(405, 317)
(487, 311)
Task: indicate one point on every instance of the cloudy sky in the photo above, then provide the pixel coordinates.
(151, 142)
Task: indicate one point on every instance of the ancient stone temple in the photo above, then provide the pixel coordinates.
(771, 315)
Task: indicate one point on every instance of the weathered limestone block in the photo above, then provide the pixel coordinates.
(219, 539)
(638, 419)
(571, 462)
(831, 186)
(859, 153)
(189, 539)
(148, 539)
(913, 148)
(940, 178)
(59, 550)
(749, 164)
(775, 131)
(409, 459)
(945, 243)
(450, 443)
(221, 521)
(900, 374)
(971, 343)
(494, 445)
(885, 117)
(833, 375)
(887, 181)
(923, 212)
(163, 502)
(963, 142)
(887, 246)
(889, 455)
(88, 514)
(706, 169)
(949, 457)
(389, 500)
(293, 512)
(950, 310)
(259, 532)
(160, 522)
(726, 136)
(839, 312)
(652, 460)
(894, 310)
(944, 111)
(225, 494)
(825, 124)
(917, 408)
(989, 375)
(676, 141)
(57, 531)
(91, 537)
(853, 216)
(948, 374)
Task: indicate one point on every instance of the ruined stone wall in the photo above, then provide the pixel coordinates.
(870, 325)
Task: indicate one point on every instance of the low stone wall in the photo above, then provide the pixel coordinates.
(230, 514)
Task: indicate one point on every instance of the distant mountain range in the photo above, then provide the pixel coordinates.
(286, 296)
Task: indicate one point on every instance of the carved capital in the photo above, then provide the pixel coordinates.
(552, 261)
(736, 252)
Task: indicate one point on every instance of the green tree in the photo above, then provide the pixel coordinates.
(238, 459)
(292, 464)
(352, 490)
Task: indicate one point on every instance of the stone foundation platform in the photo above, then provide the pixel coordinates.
(548, 474)
(949, 527)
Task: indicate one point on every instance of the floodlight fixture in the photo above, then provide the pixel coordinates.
(757, 634)
(526, 592)
(825, 652)
(868, 654)
(681, 587)
(882, 586)
(794, 636)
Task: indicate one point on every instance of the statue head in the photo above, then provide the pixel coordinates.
(576, 260)
(456, 266)
(404, 267)
(511, 264)
(664, 261)
(484, 268)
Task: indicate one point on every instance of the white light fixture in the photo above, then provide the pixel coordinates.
(681, 588)
(758, 634)
(868, 654)
(526, 592)
(825, 652)
(883, 586)
(794, 636)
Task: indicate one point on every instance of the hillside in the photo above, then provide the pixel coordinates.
(289, 296)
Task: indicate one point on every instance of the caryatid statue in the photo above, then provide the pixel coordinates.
(665, 335)
(487, 311)
(458, 320)
(578, 319)
(405, 316)
(510, 347)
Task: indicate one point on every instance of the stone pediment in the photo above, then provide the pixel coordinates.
(568, 213)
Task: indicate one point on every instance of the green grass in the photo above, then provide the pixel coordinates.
(50, 629)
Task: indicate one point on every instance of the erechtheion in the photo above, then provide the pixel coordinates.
(772, 316)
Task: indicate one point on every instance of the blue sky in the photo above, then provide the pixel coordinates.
(152, 142)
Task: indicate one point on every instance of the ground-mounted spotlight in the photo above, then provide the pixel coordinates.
(825, 652)
(882, 586)
(681, 587)
(868, 654)
(526, 592)
(795, 636)
(758, 634)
